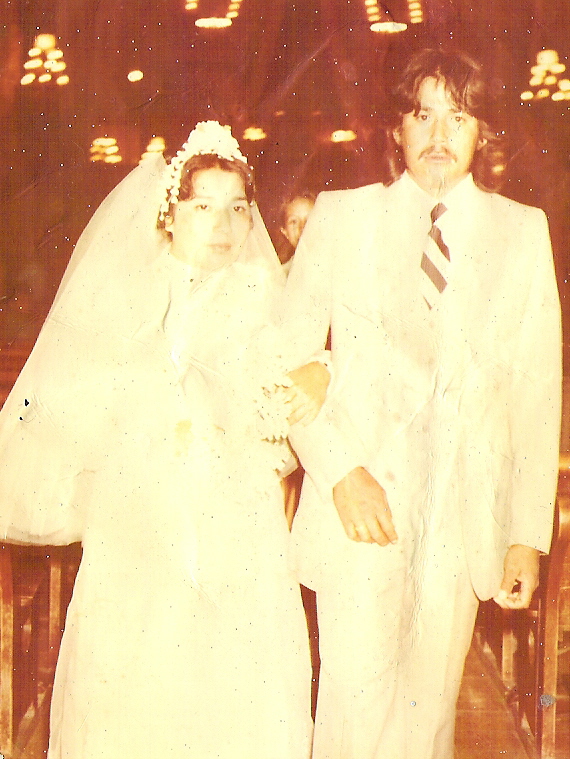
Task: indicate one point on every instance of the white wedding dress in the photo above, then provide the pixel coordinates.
(134, 429)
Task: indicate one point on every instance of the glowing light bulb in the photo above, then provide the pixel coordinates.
(213, 22)
(45, 41)
(390, 27)
(343, 135)
(547, 57)
(254, 133)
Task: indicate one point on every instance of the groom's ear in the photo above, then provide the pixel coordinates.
(481, 142)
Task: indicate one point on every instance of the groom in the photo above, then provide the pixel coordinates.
(432, 467)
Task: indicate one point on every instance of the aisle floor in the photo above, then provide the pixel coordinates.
(485, 725)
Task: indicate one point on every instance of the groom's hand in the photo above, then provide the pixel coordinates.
(520, 577)
(363, 508)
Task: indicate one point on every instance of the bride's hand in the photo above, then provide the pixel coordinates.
(307, 393)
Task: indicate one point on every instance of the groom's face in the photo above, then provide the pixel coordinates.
(439, 140)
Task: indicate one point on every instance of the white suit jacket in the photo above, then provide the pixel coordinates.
(481, 372)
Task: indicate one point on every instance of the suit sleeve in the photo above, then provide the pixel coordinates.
(535, 420)
(327, 448)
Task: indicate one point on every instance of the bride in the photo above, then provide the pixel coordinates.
(140, 426)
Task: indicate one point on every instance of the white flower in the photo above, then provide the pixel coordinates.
(211, 137)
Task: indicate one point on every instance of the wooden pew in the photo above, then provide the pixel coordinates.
(525, 644)
(35, 588)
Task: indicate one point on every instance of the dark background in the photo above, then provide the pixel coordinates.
(297, 69)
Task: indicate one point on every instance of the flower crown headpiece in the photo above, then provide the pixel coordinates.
(207, 138)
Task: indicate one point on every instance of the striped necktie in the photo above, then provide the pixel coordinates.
(435, 261)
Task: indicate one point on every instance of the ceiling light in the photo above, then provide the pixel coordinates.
(547, 57)
(388, 26)
(213, 23)
(45, 41)
(343, 135)
(254, 133)
(415, 12)
(376, 11)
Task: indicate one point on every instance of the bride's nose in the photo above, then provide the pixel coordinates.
(222, 220)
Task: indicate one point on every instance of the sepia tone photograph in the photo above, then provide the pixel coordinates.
(284, 379)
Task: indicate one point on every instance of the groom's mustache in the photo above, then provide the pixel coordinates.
(440, 152)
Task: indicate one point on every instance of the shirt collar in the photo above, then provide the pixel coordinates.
(456, 197)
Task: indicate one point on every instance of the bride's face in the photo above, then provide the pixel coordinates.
(210, 228)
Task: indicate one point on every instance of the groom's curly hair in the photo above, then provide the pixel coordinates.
(470, 89)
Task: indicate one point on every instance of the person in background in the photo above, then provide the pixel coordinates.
(293, 216)
(432, 466)
(140, 426)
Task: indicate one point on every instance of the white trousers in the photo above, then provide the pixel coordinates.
(395, 627)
